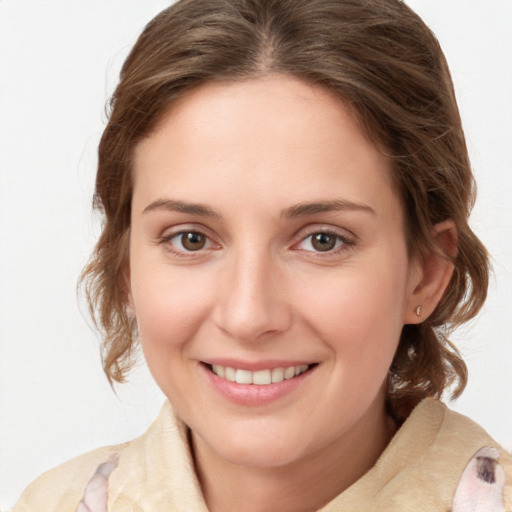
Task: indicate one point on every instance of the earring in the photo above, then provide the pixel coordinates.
(418, 311)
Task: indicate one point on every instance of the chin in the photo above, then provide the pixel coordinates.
(259, 456)
(252, 449)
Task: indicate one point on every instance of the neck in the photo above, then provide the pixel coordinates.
(304, 485)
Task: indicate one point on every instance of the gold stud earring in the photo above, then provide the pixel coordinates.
(418, 311)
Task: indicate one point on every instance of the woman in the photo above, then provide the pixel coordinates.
(286, 190)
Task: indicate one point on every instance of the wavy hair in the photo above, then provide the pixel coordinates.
(382, 60)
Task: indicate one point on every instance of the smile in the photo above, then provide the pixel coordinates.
(260, 377)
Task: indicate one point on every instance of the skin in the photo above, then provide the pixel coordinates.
(259, 290)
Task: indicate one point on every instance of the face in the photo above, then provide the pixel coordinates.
(269, 274)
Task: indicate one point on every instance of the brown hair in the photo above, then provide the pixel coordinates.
(381, 59)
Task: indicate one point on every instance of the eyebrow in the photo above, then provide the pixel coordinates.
(305, 209)
(298, 210)
(172, 205)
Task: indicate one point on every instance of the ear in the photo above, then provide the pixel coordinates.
(432, 275)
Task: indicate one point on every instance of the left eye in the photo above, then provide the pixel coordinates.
(190, 241)
(321, 242)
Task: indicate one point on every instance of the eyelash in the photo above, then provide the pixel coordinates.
(346, 243)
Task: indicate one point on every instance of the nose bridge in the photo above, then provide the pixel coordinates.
(251, 299)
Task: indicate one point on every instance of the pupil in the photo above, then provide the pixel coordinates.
(323, 241)
(193, 241)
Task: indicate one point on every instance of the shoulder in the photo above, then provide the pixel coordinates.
(62, 488)
(152, 472)
(485, 484)
(439, 460)
(465, 467)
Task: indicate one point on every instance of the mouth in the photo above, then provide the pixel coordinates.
(262, 377)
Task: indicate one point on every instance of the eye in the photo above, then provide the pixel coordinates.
(187, 241)
(192, 241)
(323, 241)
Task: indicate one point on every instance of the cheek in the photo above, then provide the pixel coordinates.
(169, 312)
(359, 314)
(169, 309)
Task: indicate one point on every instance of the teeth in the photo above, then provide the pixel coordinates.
(301, 369)
(229, 374)
(243, 377)
(219, 370)
(260, 377)
(289, 373)
(277, 374)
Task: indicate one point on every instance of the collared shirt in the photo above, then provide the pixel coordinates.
(438, 461)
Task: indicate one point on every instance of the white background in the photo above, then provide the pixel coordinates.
(59, 62)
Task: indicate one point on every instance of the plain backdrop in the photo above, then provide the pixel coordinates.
(59, 62)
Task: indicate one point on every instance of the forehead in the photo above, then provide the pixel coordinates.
(253, 103)
(270, 135)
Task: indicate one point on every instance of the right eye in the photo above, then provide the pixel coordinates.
(190, 241)
(185, 242)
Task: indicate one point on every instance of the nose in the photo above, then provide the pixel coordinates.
(251, 301)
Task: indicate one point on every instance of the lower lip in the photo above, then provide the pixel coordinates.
(254, 394)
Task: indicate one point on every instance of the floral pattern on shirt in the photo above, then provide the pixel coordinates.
(96, 493)
(481, 485)
(480, 488)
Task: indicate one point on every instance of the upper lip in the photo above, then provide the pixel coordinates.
(254, 366)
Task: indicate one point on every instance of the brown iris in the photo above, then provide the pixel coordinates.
(323, 241)
(193, 241)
